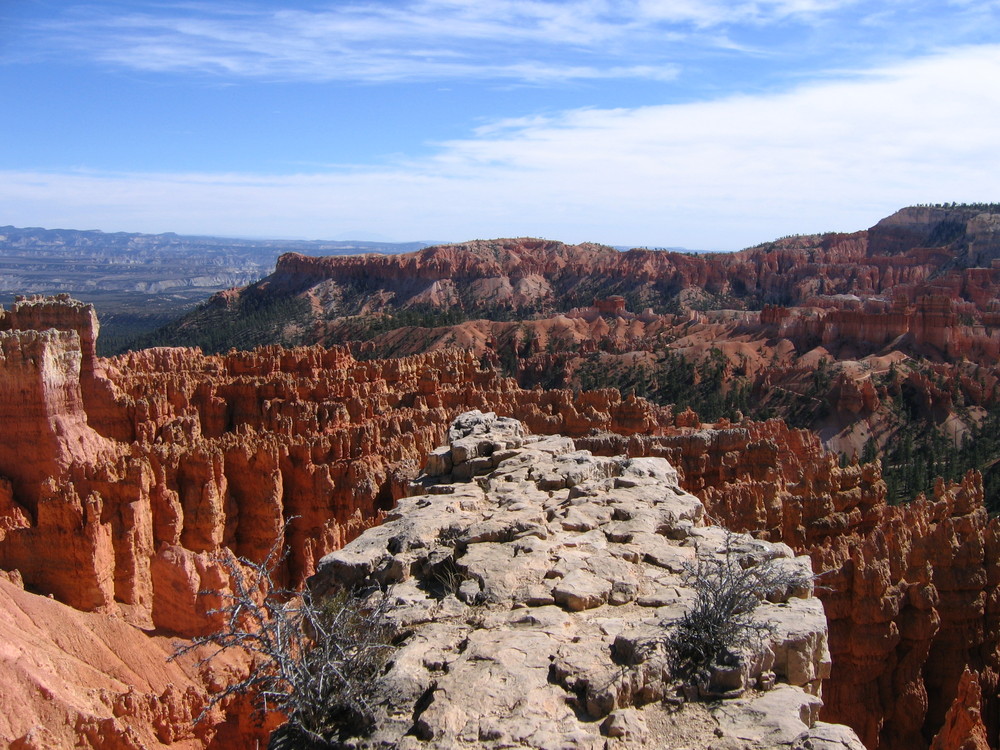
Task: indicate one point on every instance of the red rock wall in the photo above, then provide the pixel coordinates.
(936, 325)
(518, 272)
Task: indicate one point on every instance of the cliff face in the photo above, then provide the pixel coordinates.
(914, 253)
(938, 325)
(41, 397)
(974, 232)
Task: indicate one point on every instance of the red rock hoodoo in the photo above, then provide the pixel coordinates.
(119, 503)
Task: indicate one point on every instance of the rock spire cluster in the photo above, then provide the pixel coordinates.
(124, 480)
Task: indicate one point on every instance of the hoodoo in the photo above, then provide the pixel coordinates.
(128, 482)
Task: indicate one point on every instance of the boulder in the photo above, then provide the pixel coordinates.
(538, 601)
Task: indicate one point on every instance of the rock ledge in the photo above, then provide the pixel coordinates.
(536, 583)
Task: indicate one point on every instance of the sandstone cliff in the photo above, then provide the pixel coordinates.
(77, 679)
(918, 252)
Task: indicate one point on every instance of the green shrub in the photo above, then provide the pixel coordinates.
(720, 628)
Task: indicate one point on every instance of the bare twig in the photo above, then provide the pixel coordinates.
(720, 627)
(318, 662)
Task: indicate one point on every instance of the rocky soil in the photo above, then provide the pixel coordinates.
(537, 583)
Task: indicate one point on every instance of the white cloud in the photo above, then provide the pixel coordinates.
(418, 39)
(707, 13)
(721, 174)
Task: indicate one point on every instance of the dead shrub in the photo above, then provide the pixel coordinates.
(720, 628)
(317, 662)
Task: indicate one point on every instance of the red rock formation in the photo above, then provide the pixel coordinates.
(41, 401)
(963, 727)
(517, 272)
(922, 280)
(76, 679)
(614, 305)
(933, 324)
(932, 226)
(226, 448)
(61, 313)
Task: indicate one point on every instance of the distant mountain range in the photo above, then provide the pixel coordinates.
(35, 260)
(140, 281)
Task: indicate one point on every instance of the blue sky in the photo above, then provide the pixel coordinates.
(696, 123)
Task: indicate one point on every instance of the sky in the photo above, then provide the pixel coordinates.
(662, 123)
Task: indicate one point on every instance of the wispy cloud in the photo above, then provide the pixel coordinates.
(524, 40)
(719, 174)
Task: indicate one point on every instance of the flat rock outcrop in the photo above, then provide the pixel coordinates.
(910, 591)
(537, 584)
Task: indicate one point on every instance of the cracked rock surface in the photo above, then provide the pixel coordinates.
(534, 584)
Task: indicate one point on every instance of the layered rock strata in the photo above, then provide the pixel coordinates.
(945, 253)
(121, 503)
(537, 583)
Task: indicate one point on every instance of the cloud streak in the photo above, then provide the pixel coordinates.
(517, 40)
(716, 175)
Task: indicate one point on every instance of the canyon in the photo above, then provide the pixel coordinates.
(830, 332)
(139, 282)
(129, 482)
